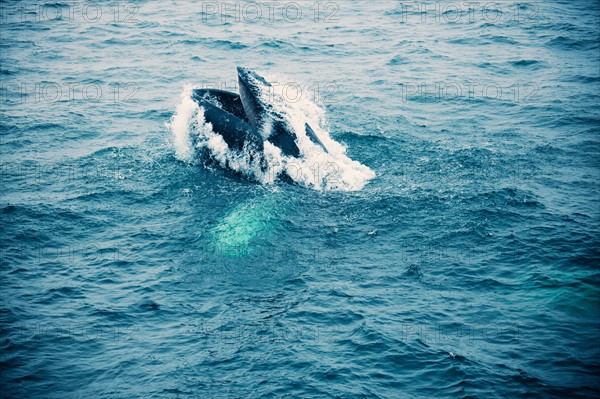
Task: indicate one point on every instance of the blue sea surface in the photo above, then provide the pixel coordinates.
(467, 267)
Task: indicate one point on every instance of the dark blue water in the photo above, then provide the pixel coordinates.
(466, 267)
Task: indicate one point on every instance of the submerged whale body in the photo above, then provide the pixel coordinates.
(246, 120)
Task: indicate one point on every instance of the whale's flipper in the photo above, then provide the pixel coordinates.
(236, 133)
(262, 116)
(227, 101)
(284, 138)
(314, 138)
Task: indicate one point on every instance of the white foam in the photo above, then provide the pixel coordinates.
(180, 125)
(315, 168)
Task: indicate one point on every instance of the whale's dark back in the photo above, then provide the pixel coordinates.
(227, 101)
(224, 111)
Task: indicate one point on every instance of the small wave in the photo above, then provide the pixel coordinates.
(532, 64)
(582, 79)
(277, 44)
(567, 43)
(500, 39)
(397, 60)
(506, 198)
(57, 4)
(215, 43)
(116, 41)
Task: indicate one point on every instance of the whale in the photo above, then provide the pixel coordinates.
(246, 120)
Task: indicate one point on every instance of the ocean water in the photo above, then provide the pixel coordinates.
(449, 247)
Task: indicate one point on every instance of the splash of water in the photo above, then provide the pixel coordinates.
(316, 168)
